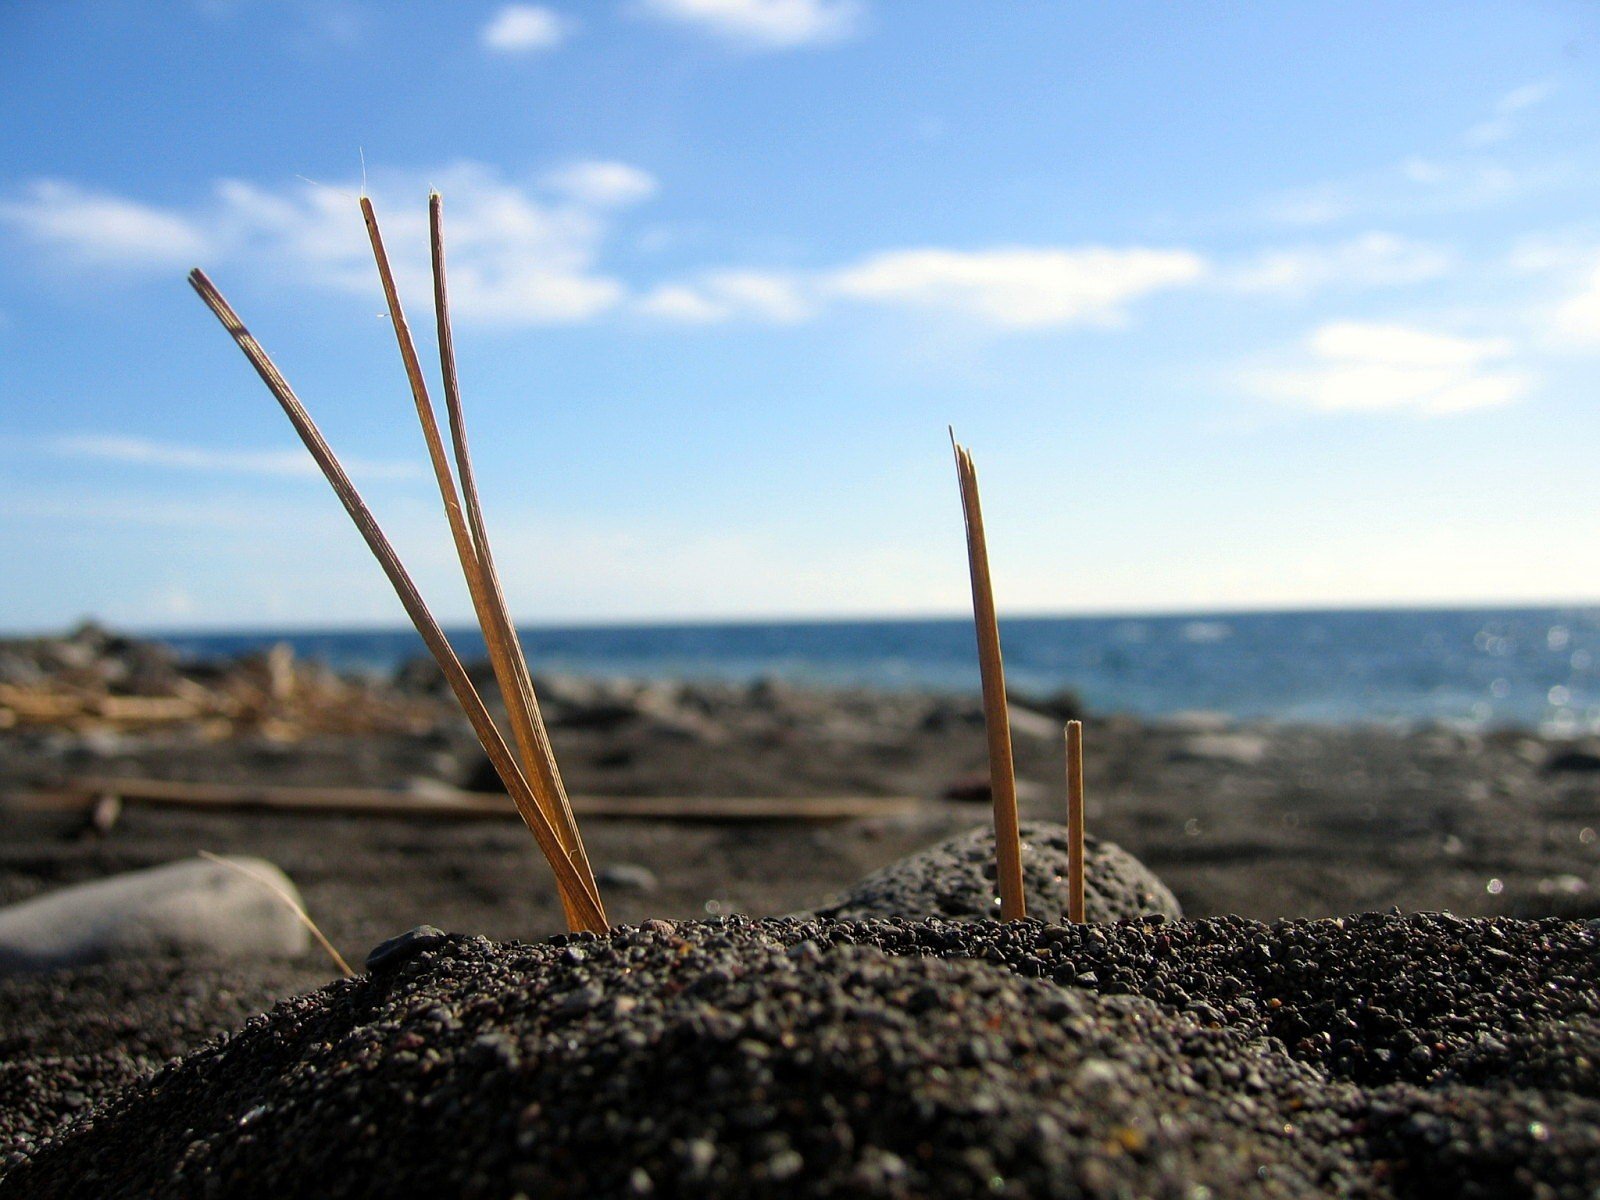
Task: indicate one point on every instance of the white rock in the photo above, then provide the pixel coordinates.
(187, 907)
(1245, 749)
(1026, 722)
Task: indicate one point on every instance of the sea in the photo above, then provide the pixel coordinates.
(1464, 668)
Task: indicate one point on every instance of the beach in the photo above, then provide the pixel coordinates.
(1259, 820)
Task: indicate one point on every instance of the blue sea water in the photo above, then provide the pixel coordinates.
(1535, 667)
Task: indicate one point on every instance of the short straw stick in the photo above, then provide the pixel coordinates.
(996, 718)
(1075, 864)
(289, 902)
(522, 704)
(537, 762)
(494, 746)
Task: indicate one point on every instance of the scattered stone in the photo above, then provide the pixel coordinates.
(402, 946)
(1025, 722)
(628, 877)
(1574, 759)
(1241, 749)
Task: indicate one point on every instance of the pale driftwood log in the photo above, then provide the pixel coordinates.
(83, 794)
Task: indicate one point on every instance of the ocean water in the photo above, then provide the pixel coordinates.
(1535, 667)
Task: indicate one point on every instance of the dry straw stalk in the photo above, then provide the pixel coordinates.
(472, 547)
(577, 891)
(1075, 863)
(996, 716)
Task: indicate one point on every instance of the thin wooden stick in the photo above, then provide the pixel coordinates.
(527, 722)
(1075, 863)
(289, 902)
(996, 717)
(537, 760)
(494, 746)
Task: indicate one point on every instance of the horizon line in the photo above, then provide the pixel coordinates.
(464, 623)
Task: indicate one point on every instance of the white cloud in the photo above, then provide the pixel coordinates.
(528, 254)
(603, 184)
(99, 229)
(518, 255)
(1371, 260)
(138, 451)
(1577, 318)
(1019, 287)
(719, 296)
(1414, 186)
(520, 28)
(1352, 366)
(764, 24)
(1502, 122)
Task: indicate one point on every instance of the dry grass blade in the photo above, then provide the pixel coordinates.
(996, 717)
(1075, 863)
(538, 762)
(527, 721)
(432, 636)
(289, 902)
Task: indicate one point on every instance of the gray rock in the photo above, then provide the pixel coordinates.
(1574, 758)
(394, 951)
(955, 880)
(628, 877)
(187, 907)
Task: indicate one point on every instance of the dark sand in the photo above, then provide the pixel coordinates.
(1377, 1056)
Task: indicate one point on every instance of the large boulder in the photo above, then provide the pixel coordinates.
(188, 907)
(956, 880)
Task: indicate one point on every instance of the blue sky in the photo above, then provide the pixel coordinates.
(1237, 305)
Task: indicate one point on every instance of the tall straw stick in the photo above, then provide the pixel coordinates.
(536, 760)
(494, 746)
(289, 902)
(1075, 864)
(527, 722)
(996, 718)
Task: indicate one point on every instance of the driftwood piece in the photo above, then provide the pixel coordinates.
(220, 797)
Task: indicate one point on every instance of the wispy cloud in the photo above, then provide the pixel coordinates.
(603, 184)
(1352, 366)
(524, 28)
(520, 255)
(764, 24)
(1371, 260)
(138, 451)
(1577, 318)
(1501, 123)
(98, 229)
(1019, 287)
(1567, 265)
(719, 296)
(1419, 185)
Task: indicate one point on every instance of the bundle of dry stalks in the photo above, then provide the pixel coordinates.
(535, 784)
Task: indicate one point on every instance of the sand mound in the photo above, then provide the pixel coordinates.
(1377, 1055)
(956, 879)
